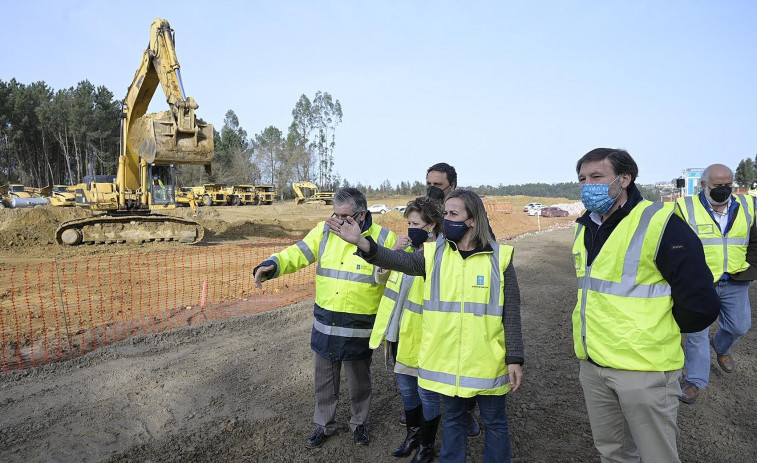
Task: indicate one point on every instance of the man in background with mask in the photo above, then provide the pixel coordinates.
(441, 178)
(726, 225)
(642, 281)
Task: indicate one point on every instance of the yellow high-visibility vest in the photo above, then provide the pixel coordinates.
(623, 318)
(344, 282)
(462, 350)
(402, 299)
(724, 254)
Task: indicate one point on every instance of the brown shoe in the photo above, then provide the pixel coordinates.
(689, 393)
(725, 361)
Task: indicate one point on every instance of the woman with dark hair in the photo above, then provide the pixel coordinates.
(471, 343)
(398, 325)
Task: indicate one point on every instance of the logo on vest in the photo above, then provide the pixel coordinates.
(358, 266)
(480, 283)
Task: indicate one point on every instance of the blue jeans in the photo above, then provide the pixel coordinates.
(412, 396)
(493, 409)
(734, 321)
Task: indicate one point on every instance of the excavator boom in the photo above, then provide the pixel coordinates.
(151, 144)
(316, 196)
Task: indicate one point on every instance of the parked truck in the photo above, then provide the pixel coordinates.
(266, 194)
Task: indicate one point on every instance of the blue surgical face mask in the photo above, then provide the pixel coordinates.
(454, 231)
(596, 196)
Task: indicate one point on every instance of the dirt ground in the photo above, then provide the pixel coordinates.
(30, 233)
(242, 389)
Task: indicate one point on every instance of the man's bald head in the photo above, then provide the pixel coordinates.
(717, 175)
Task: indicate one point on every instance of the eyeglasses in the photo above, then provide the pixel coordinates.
(343, 217)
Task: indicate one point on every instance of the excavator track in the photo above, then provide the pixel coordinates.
(132, 229)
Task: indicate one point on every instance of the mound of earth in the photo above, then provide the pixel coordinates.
(36, 226)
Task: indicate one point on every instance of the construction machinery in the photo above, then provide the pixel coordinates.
(219, 194)
(311, 194)
(187, 194)
(17, 196)
(246, 195)
(151, 145)
(59, 195)
(266, 194)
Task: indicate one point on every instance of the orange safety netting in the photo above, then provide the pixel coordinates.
(60, 309)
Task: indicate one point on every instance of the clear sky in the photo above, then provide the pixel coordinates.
(506, 91)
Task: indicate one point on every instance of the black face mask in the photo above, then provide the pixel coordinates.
(418, 236)
(720, 194)
(435, 193)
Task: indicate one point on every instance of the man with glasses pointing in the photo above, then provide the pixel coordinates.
(346, 300)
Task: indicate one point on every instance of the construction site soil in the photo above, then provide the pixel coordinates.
(242, 389)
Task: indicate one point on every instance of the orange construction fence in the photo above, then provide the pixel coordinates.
(58, 309)
(53, 310)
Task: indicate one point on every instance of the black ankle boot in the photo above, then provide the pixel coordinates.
(425, 452)
(413, 433)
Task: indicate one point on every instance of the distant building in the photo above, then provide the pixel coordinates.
(691, 179)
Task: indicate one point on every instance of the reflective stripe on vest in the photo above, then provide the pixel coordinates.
(465, 381)
(623, 316)
(627, 286)
(341, 274)
(341, 331)
(408, 304)
(739, 240)
(306, 251)
(476, 308)
(462, 350)
(399, 317)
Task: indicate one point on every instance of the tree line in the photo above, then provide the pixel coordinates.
(56, 137)
(569, 190)
(50, 136)
(304, 153)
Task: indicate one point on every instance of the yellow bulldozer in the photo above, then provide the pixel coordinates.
(151, 145)
(308, 193)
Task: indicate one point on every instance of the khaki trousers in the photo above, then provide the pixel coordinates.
(327, 376)
(633, 414)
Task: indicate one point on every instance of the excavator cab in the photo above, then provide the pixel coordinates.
(162, 184)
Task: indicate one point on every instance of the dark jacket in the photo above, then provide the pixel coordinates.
(680, 260)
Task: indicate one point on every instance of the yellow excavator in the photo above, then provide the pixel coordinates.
(311, 194)
(151, 145)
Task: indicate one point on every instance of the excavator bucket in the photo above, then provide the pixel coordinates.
(157, 138)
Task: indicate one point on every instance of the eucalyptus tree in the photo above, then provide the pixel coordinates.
(269, 154)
